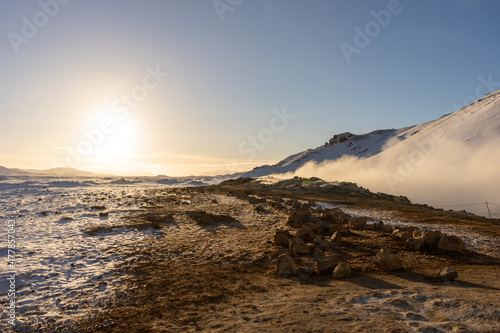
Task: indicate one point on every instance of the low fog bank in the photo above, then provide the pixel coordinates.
(440, 174)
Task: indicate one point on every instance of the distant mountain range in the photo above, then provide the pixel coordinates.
(55, 172)
(476, 124)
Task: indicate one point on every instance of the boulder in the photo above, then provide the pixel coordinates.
(327, 215)
(387, 261)
(336, 237)
(286, 265)
(282, 237)
(428, 237)
(328, 263)
(343, 218)
(451, 243)
(447, 274)
(342, 271)
(382, 227)
(413, 244)
(298, 217)
(297, 246)
(357, 223)
(323, 230)
(307, 232)
(338, 227)
(321, 243)
(402, 234)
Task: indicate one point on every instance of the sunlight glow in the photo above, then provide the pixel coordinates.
(117, 150)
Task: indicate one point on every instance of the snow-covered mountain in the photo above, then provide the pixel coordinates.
(476, 124)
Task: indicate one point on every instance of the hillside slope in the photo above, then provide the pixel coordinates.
(478, 123)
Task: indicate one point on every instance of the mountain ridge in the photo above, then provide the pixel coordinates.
(53, 172)
(476, 123)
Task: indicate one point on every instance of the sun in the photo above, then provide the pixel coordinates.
(118, 149)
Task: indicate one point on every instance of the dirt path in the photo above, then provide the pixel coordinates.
(215, 270)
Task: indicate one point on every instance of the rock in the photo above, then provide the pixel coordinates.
(328, 263)
(357, 223)
(336, 237)
(447, 274)
(335, 216)
(307, 232)
(286, 265)
(338, 227)
(402, 234)
(327, 216)
(298, 217)
(297, 246)
(428, 237)
(323, 230)
(282, 237)
(387, 261)
(451, 243)
(276, 205)
(413, 244)
(342, 271)
(369, 226)
(382, 227)
(321, 243)
(98, 207)
(103, 214)
(214, 201)
(343, 218)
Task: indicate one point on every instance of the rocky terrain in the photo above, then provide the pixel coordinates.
(298, 255)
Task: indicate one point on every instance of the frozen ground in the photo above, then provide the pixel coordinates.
(59, 267)
(63, 272)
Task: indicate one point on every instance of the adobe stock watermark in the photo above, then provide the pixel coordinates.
(223, 6)
(31, 26)
(363, 37)
(258, 142)
(121, 107)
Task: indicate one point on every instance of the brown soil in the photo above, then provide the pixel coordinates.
(215, 270)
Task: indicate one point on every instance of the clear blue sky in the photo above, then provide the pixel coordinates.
(226, 76)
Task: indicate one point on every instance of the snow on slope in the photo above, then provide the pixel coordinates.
(477, 123)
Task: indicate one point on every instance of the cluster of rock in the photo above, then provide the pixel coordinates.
(416, 239)
(339, 138)
(313, 241)
(311, 185)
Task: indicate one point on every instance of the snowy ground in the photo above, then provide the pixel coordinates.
(58, 267)
(63, 271)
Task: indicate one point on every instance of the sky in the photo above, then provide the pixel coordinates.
(186, 87)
